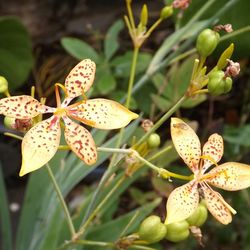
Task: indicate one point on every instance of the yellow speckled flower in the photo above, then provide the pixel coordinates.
(231, 176)
(41, 142)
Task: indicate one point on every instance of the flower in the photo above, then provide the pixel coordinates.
(230, 176)
(41, 142)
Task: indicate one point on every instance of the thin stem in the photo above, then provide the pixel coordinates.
(97, 209)
(236, 33)
(132, 76)
(7, 93)
(151, 29)
(162, 119)
(159, 153)
(95, 243)
(130, 14)
(161, 171)
(13, 136)
(62, 201)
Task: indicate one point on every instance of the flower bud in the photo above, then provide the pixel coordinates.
(154, 140)
(9, 122)
(166, 12)
(207, 41)
(199, 216)
(219, 83)
(3, 84)
(177, 231)
(144, 15)
(152, 229)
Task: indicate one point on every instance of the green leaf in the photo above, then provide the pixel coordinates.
(79, 49)
(4, 217)
(16, 51)
(106, 83)
(110, 43)
(237, 135)
(161, 103)
(122, 64)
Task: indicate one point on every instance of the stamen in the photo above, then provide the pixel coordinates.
(207, 157)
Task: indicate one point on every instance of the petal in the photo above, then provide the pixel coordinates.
(186, 143)
(213, 149)
(80, 78)
(230, 176)
(21, 107)
(40, 144)
(182, 202)
(103, 114)
(217, 206)
(80, 141)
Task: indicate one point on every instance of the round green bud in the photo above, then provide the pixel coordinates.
(154, 140)
(152, 230)
(166, 12)
(9, 122)
(207, 41)
(218, 83)
(177, 231)
(3, 84)
(199, 216)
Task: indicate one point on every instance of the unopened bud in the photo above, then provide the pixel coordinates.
(219, 83)
(233, 69)
(181, 4)
(227, 28)
(9, 122)
(144, 15)
(3, 84)
(166, 12)
(207, 41)
(147, 125)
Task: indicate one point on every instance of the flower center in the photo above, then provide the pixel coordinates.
(60, 112)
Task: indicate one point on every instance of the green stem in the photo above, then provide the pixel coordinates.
(235, 33)
(97, 209)
(151, 29)
(132, 76)
(161, 171)
(159, 153)
(95, 243)
(61, 200)
(162, 119)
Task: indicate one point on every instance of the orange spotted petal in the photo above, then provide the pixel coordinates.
(40, 144)
(217, 206)
(80, 141)
(21, 107)
(186, 143)
(212, 151)
(182, 202)
(103, 114)
(230, 176)
(80, 78)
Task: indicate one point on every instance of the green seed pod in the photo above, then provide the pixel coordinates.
(152, 230)
(3, 84)
(144, 15)
(207, 41)
(9, 122)
(154, 140)
(166, 12)
(199, 216)
(219, 84)
(177, 231)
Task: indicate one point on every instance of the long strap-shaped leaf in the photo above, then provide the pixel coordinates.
(5, 226)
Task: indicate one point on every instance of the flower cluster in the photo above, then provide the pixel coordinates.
(41, 142)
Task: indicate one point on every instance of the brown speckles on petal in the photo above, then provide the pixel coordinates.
(40, 144)
(21, 107)
(80, 78)
(80, 141)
